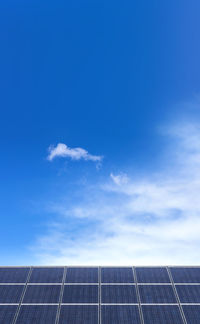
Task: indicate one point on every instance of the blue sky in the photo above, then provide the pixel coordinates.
(121, 81)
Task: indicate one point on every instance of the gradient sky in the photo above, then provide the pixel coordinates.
(120, 80)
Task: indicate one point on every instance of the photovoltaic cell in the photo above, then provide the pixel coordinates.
(161, 314)
(152, 275)
(117, 275)
(37, 314)
(13, 275)
(46, 275)
(192, 313)
(117, 294)
(7, 313)
(120, 314)
(185, 275)
(82, 275)
(157, 294)
(188, 293)
(42, 294)
(10, 294)
(78, 314)
(80, 294)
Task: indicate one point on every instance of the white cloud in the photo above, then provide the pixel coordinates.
(151, 220)
(77, 153)
(119, 179)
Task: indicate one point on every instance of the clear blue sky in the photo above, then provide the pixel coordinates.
(120, 79)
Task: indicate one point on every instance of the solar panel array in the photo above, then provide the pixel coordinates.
(99, 295)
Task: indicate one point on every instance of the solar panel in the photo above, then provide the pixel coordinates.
(42, 294)
(162, 314)
(188, 293)
(157, 294)
(10, 294)
(7, 313)
(79, 314)
(116, 294)
(152, 275)
(46, 275)
(117, 275)
(185, 275)
(95, 295)
(37, 314)
(121, 314)
(82, 275)
(80, 294)
(192, 313)
(13, 275)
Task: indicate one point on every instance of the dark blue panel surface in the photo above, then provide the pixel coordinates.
(185, 275)
(157, 294)
(42, 294)
(192, 313)
(46, 275)
(82, 275)
(37, 314)
(118, 294)
(10, 294)
(117, 275)
(7, 313)
(188, 293)
(80, 294)
(161, 314)
(13, 275)
(152, 275)
(120, 314)
(78, 314)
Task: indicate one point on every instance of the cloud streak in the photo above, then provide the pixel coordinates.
(77, 153)
(151, 220)
(119, 179)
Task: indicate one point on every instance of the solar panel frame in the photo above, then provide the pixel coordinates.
(7, 313)
(192, 313)
(157, 294)
(82, 275)
(185, 274)
(46, 275)
(152, 275)
(37, 314)
(118, 294)
(79, 314)
(10, 294)
(61, 295)
(117, 275)
(162, 314)
(118, 314)
(189, 294)
(41, 294)
(80, 294)
(14, 274)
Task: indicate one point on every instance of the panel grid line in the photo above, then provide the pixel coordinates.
(176, 295)
(99, 273)
(61, 295)
(41, 304)
(138, 295)
(117, 284)
(22, 296)
(80, 304)
(81, 284)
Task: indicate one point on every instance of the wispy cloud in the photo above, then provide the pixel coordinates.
(119, 179)
(77, 153)
(151, 220)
